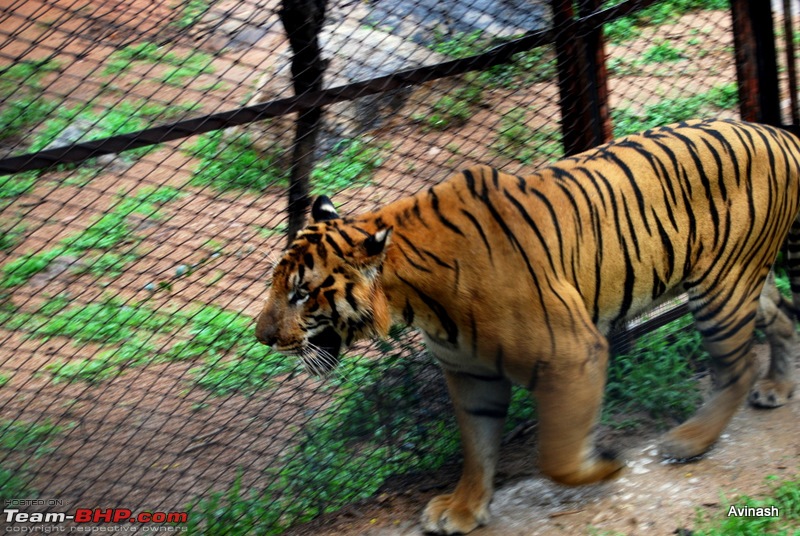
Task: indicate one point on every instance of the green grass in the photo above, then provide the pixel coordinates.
(21, 269)
(458, 106)
(374, 427)
(193, 11)
(460, 44)
(109, 231)
(371, 429)
(111, 321)
(24, 442)
(351, 163)
(517, 141)
(663, 12)
(19, 115)
(22, 96)
(657, 375)
(785, 496)
(662, 52)
(13, 186)
(132, 334)
(178, 67)
(455, 108)
(270, 232)
(123, 330)
(105, 365)
(232, 361)
(526, 68)
(627, 121)
(90, 121)
(25, 74)
(122, 118)
(227, 164)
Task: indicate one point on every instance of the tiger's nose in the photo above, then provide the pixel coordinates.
(265, 337)
(266, 332)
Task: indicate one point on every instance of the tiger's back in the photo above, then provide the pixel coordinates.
(623, 225)
(519, 279)
(629, 221)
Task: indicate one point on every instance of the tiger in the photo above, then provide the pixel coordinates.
(520, 280)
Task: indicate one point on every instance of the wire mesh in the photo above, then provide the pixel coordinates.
(129, 376)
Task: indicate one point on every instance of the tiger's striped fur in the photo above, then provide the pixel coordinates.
(520, 279)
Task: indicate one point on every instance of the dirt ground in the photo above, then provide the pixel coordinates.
(146, 440)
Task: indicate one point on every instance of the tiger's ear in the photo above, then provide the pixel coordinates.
(369, 255)
(323, 210)
(376, 244)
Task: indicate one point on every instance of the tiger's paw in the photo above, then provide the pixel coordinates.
(445, 515)
(684, 443)
(603, 466)
(770, 393)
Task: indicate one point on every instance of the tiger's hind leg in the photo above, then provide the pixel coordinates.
(776, 319)
(778, 386)
(726, 322)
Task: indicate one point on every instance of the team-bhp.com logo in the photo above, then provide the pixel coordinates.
(94, 515)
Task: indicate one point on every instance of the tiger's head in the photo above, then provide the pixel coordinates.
(326, 292)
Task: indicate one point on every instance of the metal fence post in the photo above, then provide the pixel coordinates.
(756, 61)
(582, 79)
(303, 21)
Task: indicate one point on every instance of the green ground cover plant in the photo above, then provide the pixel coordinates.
(528, 67)
(232, 163)
(352, 162)
(96, 122)
(371, 430)
(22, 96)
(456, 107)
(663, 12)
(657, 375)
(192, 12)
(784, 496)
(374, 428)
(25, 441)
(13, 186)
(178, 68)
(628, 121)
(95, 243)
(517, 141)
(662, 52)
(134, 334)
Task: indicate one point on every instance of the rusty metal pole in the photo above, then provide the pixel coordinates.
(756, 61)
(582, 79)
(303, 21)
(598, 74)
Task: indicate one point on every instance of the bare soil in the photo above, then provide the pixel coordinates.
(148, 440)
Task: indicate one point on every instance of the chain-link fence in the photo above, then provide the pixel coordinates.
(155, 149)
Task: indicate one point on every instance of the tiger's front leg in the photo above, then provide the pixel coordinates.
(481, 406)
